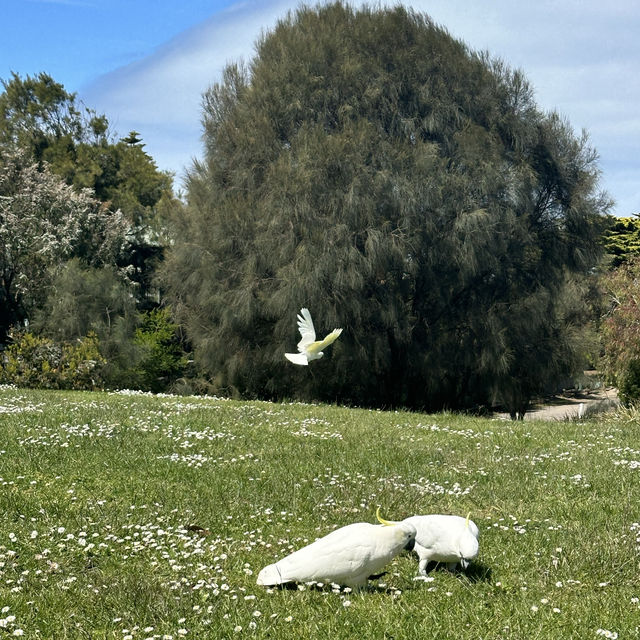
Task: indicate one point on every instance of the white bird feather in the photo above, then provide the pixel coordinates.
(346, 556)
(446, 539)
(309, 348)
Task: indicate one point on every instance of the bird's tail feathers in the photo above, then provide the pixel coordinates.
(270, 575)
(297, 358)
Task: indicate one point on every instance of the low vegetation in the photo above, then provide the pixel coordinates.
(136, 516)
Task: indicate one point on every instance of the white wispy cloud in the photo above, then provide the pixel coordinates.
(160, 96)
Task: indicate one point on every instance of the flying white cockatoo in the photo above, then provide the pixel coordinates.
(447, 539)
(346, 556)
(309, 348)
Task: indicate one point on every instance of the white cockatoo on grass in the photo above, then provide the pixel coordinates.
(346, 556)
(449, 539)
(309, 348)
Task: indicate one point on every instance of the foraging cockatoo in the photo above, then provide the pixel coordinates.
(448, 539)
(310, 348)
(346, 556)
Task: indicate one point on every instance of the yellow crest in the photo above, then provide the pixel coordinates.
(381, 520)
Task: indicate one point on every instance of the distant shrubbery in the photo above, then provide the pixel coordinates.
(621, 330)
(151, 360)
(81, 235)
(41, 363)
(162, 358)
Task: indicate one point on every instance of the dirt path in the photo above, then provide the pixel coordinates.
(575, 405)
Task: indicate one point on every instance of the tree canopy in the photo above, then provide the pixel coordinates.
(45, 122)
(44, 223)
(369, 166)
(81, 233)
(621, 239)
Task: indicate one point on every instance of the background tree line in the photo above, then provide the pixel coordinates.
(364, 164)
(81, 234)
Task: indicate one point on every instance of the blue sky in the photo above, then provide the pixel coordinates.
(146, 63)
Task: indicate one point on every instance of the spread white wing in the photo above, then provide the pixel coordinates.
(307, 330)
(309, 348)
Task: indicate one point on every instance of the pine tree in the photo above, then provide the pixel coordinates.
(374, 169)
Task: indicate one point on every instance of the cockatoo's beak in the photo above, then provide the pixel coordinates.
(382, 521)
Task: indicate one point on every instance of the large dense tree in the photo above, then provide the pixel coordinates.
(371, 167)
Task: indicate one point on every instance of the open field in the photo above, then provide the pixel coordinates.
(132, 516)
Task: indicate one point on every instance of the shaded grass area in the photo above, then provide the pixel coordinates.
(143, 516)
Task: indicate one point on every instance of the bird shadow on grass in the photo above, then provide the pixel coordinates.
(285, 586)
(478, 572)
(475, 572)
(328, 586)
(306, 586)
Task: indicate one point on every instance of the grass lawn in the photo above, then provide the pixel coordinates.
(133, 516)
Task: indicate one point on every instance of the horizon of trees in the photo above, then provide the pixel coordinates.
(364, 164)
(81, 228)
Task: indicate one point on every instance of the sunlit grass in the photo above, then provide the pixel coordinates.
(150, 517)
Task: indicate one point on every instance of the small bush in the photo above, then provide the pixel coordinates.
(621, 330)
(629, 383)
(41, 363)
(163, 359)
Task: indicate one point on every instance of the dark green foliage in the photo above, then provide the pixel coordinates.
(163, 359)
(44, 121)
(629, 383)
(85, 300)
(141, 351)
(372, 168)
(40, 363)
(126, 177)
(38, 116)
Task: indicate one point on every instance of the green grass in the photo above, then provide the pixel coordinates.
(141, 516)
